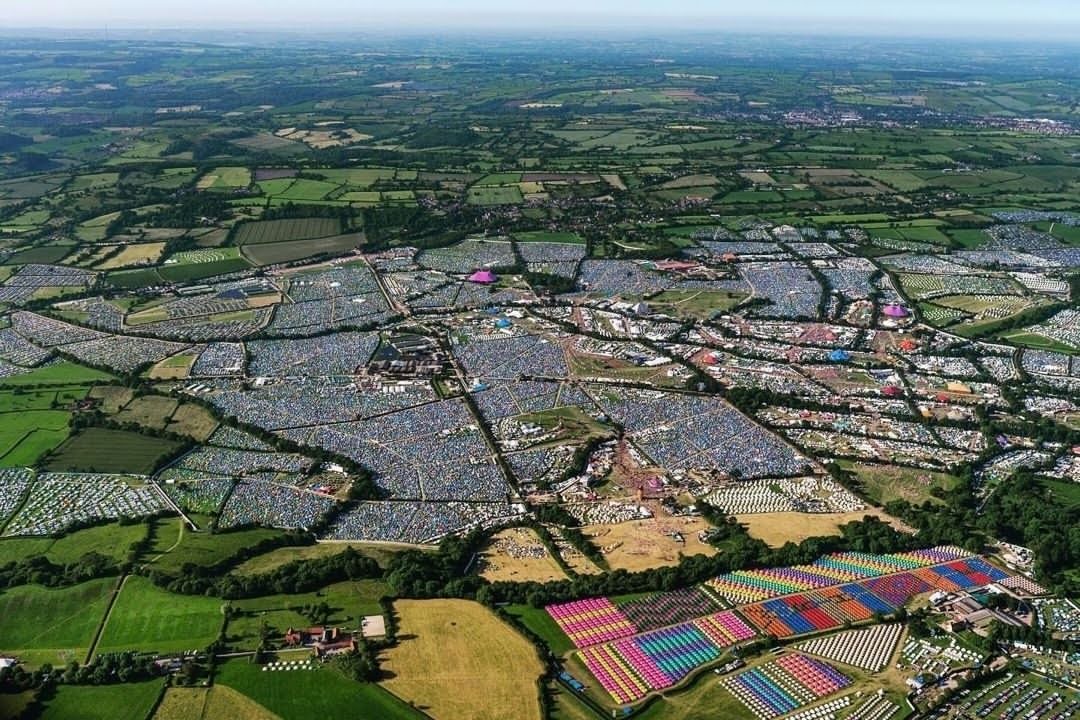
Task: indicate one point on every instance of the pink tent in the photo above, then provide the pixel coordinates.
(895, 311)
(483, 277)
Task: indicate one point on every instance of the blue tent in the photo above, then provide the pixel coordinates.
(502, 323)
(839, 355)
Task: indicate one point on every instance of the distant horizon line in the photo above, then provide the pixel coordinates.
(1063, 35)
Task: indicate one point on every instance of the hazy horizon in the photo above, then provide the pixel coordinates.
(1036, 19)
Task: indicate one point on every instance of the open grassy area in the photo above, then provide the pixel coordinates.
(885, 483)
(274, 559)
(272, 231)
(498, 563)
(112, 540)
(302, 695)
(54, 625)
(541, 624)
(62, 373)
(206, 548)
(126, 701)
(110, 451)
(150, 619)
(783, 527)
(348, 601)
(456, 644)
(280, 252)
(702, 305)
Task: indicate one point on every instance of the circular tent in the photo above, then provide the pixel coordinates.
(896, 311)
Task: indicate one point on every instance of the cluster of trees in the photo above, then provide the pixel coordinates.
(107, 669)
(295, 577)
(39, 570)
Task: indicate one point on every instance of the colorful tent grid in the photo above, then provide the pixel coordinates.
(631, 667)
(592, 621)
(788, 683)
(670, 608)
(748, 586)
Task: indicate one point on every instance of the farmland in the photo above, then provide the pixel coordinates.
(105, 450)
(462, 644)
(148, 619)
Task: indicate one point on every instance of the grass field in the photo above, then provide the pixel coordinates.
(783, 527)
(702, 305)
(127, 701)
(541, 624)
(194, 421)
(641, 544)
(63, 373)
(151, 411)
(112, 451)
(504, 195)
(302, 695)
(148, 618)
(224, 703)
(181, 703)
(348, 601)
(282, 556)
(205, 548)
(141, 254)
(883, 484)
(54, 625)
(566, 238)
(272, 231)
(281, 252)
(457, 644)
(112, 541)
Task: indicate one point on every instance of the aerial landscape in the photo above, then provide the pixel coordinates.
(546, 373)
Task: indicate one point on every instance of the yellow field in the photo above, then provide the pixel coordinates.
(778, 528)
(194, 421)
(176, 367)
(641, 544)
(461, 662)
(141, 254)
(498, 561)
(181, 704)
(224, 703)
(112, 397)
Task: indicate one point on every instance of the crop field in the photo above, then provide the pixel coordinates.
(112, 451)
(151, 411)
(192, 420)
(202, 270)
(182, 703)
(53, 625)
(280, 252)
(497, 195)
(454, 644)
(272, 231)
(147, 618)
(304, 695)
(124, 701)
(225, 178)
(140, 254)
(40, 254)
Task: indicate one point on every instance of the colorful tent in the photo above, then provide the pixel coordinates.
(839, 355)
(483, 277)
(896, 311)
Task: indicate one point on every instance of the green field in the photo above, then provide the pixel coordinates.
(125, 701)
(150, 619)
(62, 373)
(205, 548)
(112, 540)
(111, 451)
(302, 695)
(504, 195)
(541, 624)
(41, 254)
(281, 252)
(272, 231)
(567, 238)
(53, 625)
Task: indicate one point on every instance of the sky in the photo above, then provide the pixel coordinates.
(1023, 19)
